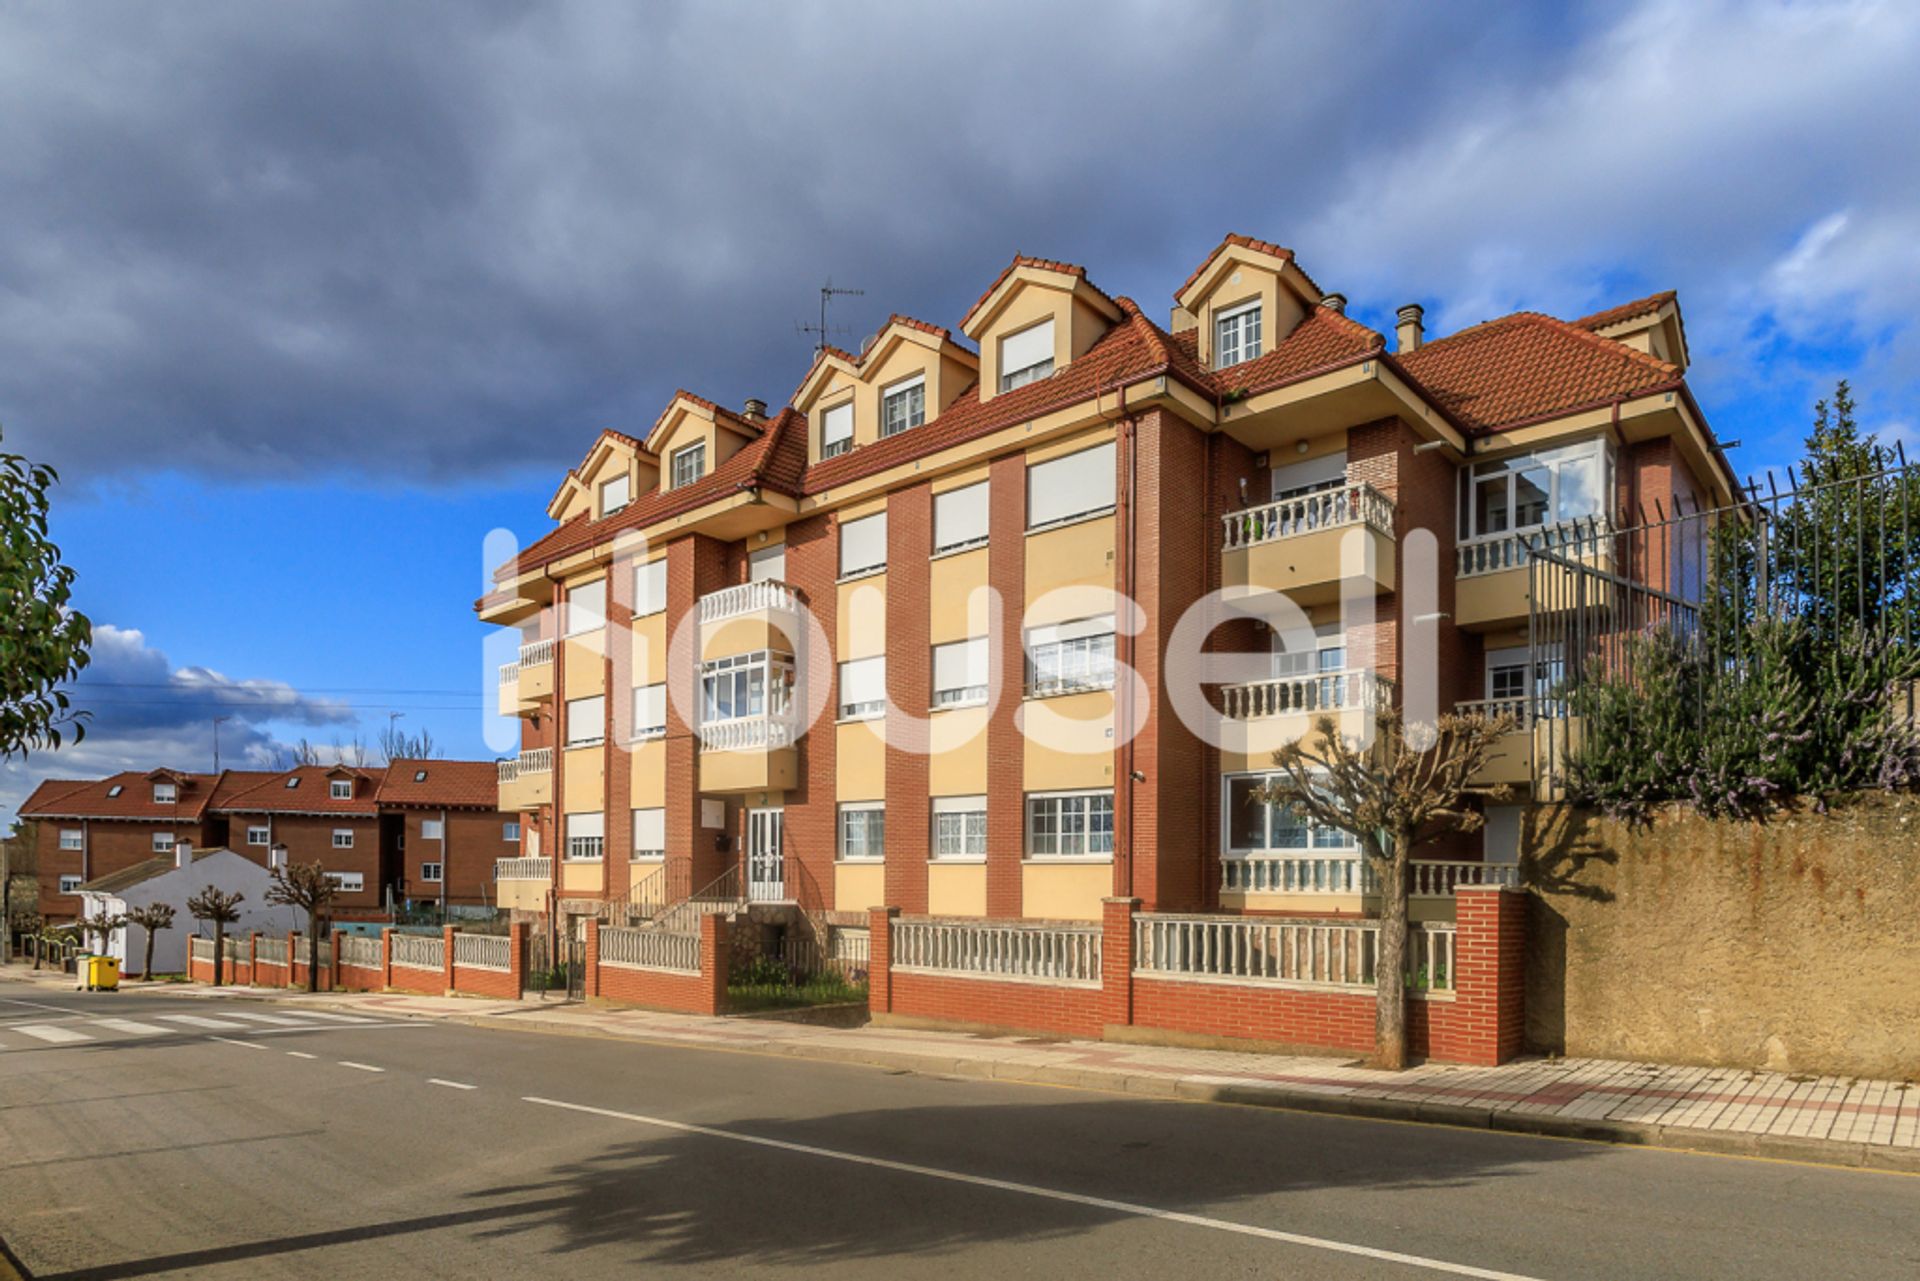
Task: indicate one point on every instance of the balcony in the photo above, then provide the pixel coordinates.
(1494, 578)
(749, 617)
(1528, 758)
(1308, 695)
(523, 869)
(528, 681)
(526, 781)
(742, 599)
(1309, 546)
(521, 884)
(747, 729)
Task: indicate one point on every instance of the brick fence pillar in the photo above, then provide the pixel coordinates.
(446, 953)
(292, 957)
(517, 956)
(880, 959)
(253, 958)
(591, 984)
(1490, 971)
(386, 956)
(716, 946)
(337, 977)
(1116, 961)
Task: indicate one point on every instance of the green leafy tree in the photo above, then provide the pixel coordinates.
(307, 887)
(221, 909)
(43, 642)
(153, 917)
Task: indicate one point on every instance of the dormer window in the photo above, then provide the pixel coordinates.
(615, 494)
(340, 789)
(689, 463)
(903, 406)
(1236, 335)
(836, 430)
(293, 782)
(165, 794)
(115, 791)
(1026, 356)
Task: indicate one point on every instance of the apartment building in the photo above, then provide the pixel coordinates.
(930, 635)
(449, 832)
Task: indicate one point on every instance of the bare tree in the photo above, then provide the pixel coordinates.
(398, 745)
(103, 923)
(305, 886)
(1390, 794)
(305, 753)
(152, 918)
(222, 909)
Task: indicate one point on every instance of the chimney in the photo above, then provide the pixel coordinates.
(1335, 303)
(183, 853)
(1410, 331)
(755, 410)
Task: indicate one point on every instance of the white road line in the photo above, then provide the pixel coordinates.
(131, 1028)
(37, 1005)
(194, 1020)
(362, 1067)
(451, 1085)
(47, 1032)
(245, 1045)
(300, 1054)
(1052, 1194)
(264, 1018)
(334, 1018)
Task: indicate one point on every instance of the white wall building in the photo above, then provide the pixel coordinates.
(173, 880)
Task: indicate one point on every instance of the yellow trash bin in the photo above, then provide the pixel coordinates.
(103, 973)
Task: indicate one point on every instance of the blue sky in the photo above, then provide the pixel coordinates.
(306, 301)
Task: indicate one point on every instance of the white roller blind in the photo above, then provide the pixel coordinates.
(649, 831)
(649, 710)
(837, 425)
(864, 680)
(613, 495)
(594, 825)
(587, 607)
(586, 719)
(960, 664)
(960, 516)
(863, 544)
(650, 587)
(1028, 347)
(959, 804)
(1100, 625)
(769, 563)
(1313, 473)
(1062, 488)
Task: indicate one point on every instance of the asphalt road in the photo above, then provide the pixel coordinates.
(157, 1145)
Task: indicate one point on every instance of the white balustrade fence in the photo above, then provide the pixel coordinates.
(271, 951)
(509, 673)
(534, 653)
(419, 951)
(200, 949)
(650, 949)
(747, 598)
(1359, 504)
(748, 733)
(359, 949)
(1350, 874)
(1068, 955)
(1584, 538)
(297, 951)
(537, 760)
(1521, 709)
(1299, 695)
(523, 869)
(1314, 954)
(239, 949)
(483, 951)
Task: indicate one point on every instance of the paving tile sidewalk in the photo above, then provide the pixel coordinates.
(1830, 1120)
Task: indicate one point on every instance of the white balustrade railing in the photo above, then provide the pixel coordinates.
(523, 869)
(1067, 955)
(1521, 709)
(535, 653)
(1584, 538)
(483, 951)
(1355, 504)
(536, 760)
(1350, 874)
(509, 674)
(239, 949)
(200, 949)
(747, 733)
(360, 950)
(747, 598)
(271, 951)
(1351, 690)
(297, 950)
(650, 949)
(1322, 954)
(419, 951)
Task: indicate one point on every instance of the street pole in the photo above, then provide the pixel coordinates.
(6, 901)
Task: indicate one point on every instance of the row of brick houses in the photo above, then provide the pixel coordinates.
(425, 831)
(1352, 518)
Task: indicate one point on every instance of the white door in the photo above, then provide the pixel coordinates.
(766, 863)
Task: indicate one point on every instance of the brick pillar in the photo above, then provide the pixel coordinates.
(386, 953)
(1490, 971)
(880, 959)
(1116, 961)
(291, 958)
(616, 878)
(1006, 663)
(253, 958)
(590, 986)
(338, 976)
(910, 694)
(446, 956)
(715, 961)
(695, 566)
(517, 956)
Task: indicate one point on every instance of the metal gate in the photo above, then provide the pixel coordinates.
(557, 964)
(766, 856)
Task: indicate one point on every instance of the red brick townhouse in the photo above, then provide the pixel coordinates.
(1347, 514)
(450, 831)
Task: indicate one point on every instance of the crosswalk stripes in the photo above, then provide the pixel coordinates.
(131, 1028)
(51, 1033)
(284, 1020)
(337, 1018)
(77, 1031)
(194, 1020)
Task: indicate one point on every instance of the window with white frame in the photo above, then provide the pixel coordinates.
(1323, 664)
(72, 838)
(1068, 658)
(650, 711)
(586, 837)
(960, 518)
(1507, 679)
(767, 564)
(432, 829)
(744, 685)
(650, 588)
(863, 687)
(259, 835)
(959, 827)
(348, 882)
(960, 672)
(689, 463)
(163, 842)
(165, 794)
(343, 838)
(71, 884)
(430, 872)
(1026, 356)
(1070, 825)
(1253, 826)
(836, 430)
(863, 831)
(650, 833)
(903, 406)
(340, 789)
(863, 545)
(586, 720)
(1236, 335)
(1534, 490)
(587, 607)
(510, 832)
(615, 494)
(1070, 487)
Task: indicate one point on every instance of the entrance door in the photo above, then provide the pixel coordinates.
(766, 863)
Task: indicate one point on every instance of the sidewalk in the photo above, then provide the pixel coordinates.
(1831, 1120)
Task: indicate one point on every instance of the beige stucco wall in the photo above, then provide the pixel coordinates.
(957, 603)
(1064, 891)
(1069, 741)
(582, 877)
(1079, 555)
(860, 761)
(958, 742)
(860, 621)
(957, 889)
(859, 886)
(1792, 944)
(586, 779)
(647, 766)
(649, 642)
(586, 660)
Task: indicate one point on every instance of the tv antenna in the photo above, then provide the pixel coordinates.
(821, 331)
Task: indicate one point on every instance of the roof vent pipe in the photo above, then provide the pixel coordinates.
(1410, 330)
(755, 409)
(1335, 303)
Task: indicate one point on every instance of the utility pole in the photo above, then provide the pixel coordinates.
(6, 899)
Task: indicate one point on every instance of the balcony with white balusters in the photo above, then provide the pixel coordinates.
(1310, 547)
(526, 684)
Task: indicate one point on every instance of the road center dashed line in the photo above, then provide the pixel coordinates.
(451, 1085)
(245, 1045)
(360, 1067)
(1049, 1194)
(301, 1054)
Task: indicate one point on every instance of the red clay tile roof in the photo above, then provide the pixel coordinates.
(1527, 366)
(1627, 310)
(89, 799)
(446, 784)
(311, 796)
(745, 426)
(128, 877)
(1027, 260)
(1324, 340)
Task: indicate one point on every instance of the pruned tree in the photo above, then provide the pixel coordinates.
(153, 917)
(43, 641)
(1403, 787)
(29, 925)
(305, 886)
(102, 923)
(221, 909)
